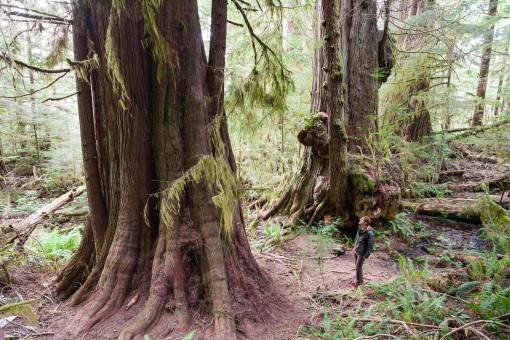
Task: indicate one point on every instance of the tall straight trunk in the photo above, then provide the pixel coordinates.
(483, 75)
(338, 160)
(150, 107)
(33, 108)
(498, 105)
(97, 221)
(3, 169)
(360, 51)
(501, 83)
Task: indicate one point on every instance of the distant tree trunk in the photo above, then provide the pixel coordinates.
(483, 75)
(33, 107)
(501, 83)
(3, 169)
(498, 105)
(151, 112)
(412, 121)
(324, 184)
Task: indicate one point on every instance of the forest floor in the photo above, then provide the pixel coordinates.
(303, 268)
(302, 271)
(305, 271)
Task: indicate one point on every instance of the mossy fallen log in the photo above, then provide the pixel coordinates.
(459, 209)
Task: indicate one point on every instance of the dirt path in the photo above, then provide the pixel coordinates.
(298, 275)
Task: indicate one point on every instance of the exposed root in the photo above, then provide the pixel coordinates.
(78, 268)
(167, 272)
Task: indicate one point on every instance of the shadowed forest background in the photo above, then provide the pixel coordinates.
(198, 169)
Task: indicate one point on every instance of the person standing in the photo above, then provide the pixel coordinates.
(363, 246)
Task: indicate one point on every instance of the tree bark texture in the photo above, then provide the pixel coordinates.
(338, 157)
(483, 75)
(146, 114)
(360, 62)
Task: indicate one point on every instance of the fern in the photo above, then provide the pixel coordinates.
(465, 288)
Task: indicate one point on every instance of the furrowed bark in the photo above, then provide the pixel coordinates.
(338, 160)
(96, 201)
(359, 52)
(152, 120)
(128, 255)
(203, 211)
(79, 266)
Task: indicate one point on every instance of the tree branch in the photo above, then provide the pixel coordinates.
(33, 92)
(35, 68)
(48, 20)
(60, 98)
(235, 23)
(474, 323)
(47, 17)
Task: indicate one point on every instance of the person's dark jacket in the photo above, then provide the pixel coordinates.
(364, 243)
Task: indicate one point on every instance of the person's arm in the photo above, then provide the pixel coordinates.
(370, 244)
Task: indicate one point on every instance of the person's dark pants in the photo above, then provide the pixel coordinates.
(359, 259)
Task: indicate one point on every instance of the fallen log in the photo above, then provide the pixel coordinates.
(459, 209)
(25, 227)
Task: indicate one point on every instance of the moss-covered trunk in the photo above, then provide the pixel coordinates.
(155, 108)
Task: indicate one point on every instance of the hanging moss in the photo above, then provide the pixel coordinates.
(160, 48)
(362, 181)
(83, 67)
(113, 63)
(216, 172)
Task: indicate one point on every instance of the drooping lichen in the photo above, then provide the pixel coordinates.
(113, 63)
(160, 49)
(83, 67)
(216, 172)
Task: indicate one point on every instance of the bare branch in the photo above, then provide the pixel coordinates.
(235, 23)
(60, 98)
(33, 92)
(31, 10)
(35, 68)
(49, 20)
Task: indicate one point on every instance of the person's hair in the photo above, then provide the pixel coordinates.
(366, 219)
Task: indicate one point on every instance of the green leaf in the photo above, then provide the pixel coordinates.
(190, 335)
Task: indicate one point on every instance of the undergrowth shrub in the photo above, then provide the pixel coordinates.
(55, 245)
(496, 223)
(274, 236)
(327, 229)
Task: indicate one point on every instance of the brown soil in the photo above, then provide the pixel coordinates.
(297, 274)
(294, 269)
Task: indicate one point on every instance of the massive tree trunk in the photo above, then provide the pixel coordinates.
(151, 157)
(329, 181)
(484, 68)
